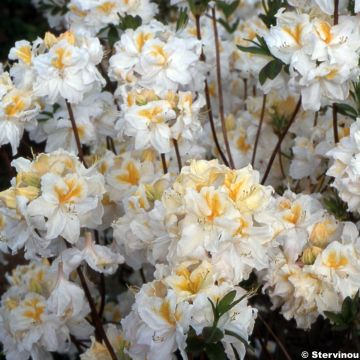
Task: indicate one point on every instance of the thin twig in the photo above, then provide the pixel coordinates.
(142, 275)
(100, 333)
(102, 288)
(177, 152)
(102, 285)
(259, 130)
(110, 144)
(335, 123)
(277, 340)
(281, 164)
(336, 12)
(245, 92)
(334, 108)
(77, 344)
(208, 99)
(164, 165)
(263, 346)
(99, 329)
(220, 90)
(281, 138)
(76, 132)
(316, 116)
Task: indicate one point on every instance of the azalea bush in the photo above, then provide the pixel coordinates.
(181, 180)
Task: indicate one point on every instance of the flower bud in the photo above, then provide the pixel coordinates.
(310, 254)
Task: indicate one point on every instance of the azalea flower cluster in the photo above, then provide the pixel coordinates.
(165, 174)
(41, 311)
(312, 270)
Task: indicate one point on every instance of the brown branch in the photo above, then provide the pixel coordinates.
(334, 108)
(281, 138)
(336, 12)
(277, 340)
(110, 144)
(245, 90)
(220, 90)
(76, 132)
(99, 329)
(100, 333)
(164, 165)
(335, 123)
(259, 130)
(281, 164)
(208, 99)
(177, 152)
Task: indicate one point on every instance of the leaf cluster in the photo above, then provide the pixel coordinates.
(273, 68)
(271, 7)
(349, 315)
(126, 22)
(210, 339)
(337, 207)
(228, 9)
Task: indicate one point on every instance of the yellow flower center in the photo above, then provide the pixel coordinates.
(107, 7)
(166, 314)
(159, 53)
(242, 145)
(215, 206)
(24, 53)
(324, 31)
(60, 59)
(73, 190)
(294, 33)
(335, 260)
(15, 107)
(131, 175)
(154, 114)
(295, 214)
(141, 39)
(36, 309)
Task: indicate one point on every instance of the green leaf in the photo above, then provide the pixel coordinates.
(270, 71)
(237, 336)
(351, 7)
(227, 8)
(211, 334)
(271, 7)
(215, 351)
(347, 110)
(129, 22)
(334, 317)
(260, 47)
(224, 304)
(337, 207)
(182, 20)
(230, 28)
(252, 50)
(113, 35)
(197, 7)
(194, 345)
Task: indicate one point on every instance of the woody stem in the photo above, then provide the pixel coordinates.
(220, 90)
(99, 328)
(280, 140)
(164, 165)
(76, 132)
(177, 152)
(259, 130)
(334, 107)
(208, 99)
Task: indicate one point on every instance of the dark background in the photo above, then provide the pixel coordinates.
(18, 20)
